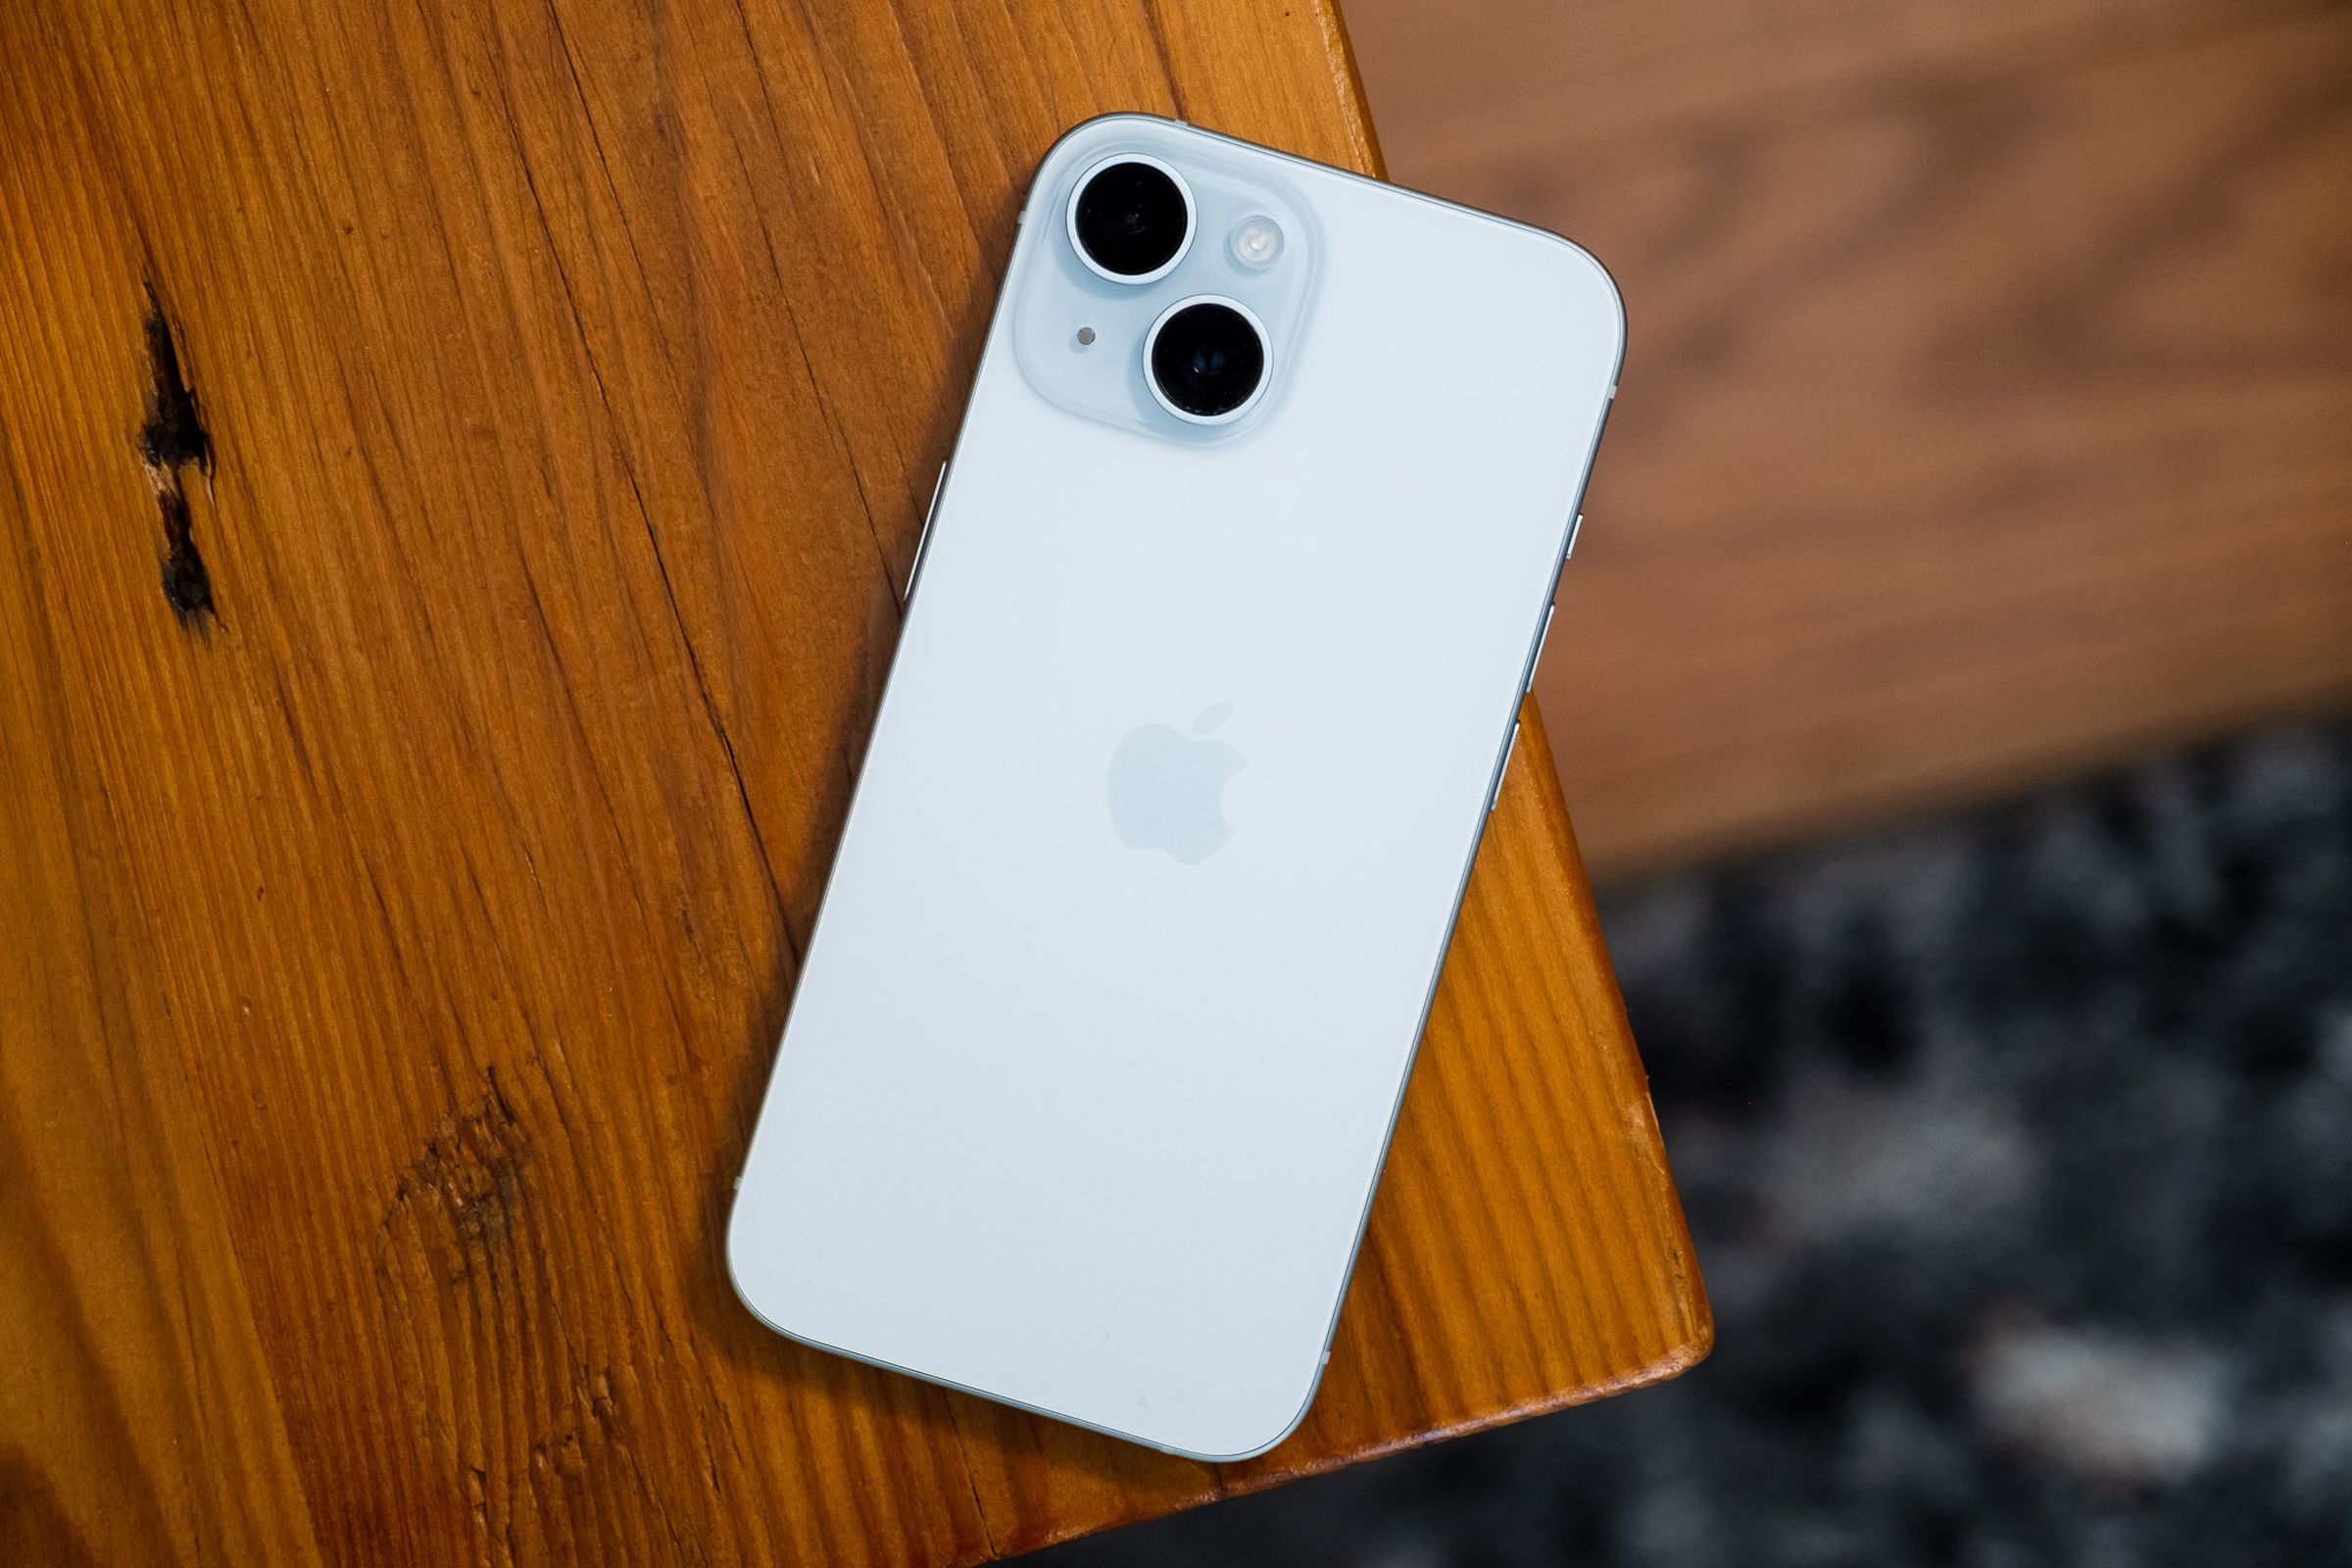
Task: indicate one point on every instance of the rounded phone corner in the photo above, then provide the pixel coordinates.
(742, 1280)
(1599, 280)
(1614, 295)
(1609, 295)
(1246, 1445)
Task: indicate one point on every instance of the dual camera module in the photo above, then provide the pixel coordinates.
(1131, 220)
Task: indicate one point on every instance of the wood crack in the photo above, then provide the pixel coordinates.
(694, 663)
(175, 439)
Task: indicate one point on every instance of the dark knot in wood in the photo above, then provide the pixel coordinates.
(174, 439)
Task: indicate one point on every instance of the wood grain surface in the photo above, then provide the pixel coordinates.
(456, 463)
(1988, 392)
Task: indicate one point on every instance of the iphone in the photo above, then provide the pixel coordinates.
(1211, 662)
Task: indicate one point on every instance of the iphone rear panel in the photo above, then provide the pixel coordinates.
(1170, 802)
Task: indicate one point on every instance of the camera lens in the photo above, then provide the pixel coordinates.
(1206, 358)
(1131, 220)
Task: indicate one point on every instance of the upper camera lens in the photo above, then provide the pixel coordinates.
(1131, 220)
(1207, 358)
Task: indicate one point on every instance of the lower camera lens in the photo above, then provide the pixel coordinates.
(1131, 220)
(1206, 358)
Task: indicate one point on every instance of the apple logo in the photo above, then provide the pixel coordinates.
(1167, 789)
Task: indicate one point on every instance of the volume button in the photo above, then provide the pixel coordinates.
(1495, 797)
(1537, 658)
(923, 539)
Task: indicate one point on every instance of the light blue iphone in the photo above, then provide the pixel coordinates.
(1212, 663)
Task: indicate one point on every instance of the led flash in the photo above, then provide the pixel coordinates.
(1257, 242)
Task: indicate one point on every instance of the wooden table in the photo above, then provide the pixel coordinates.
(457, 462)
(1985, 418)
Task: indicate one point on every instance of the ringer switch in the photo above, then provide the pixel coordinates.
(924, 538)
